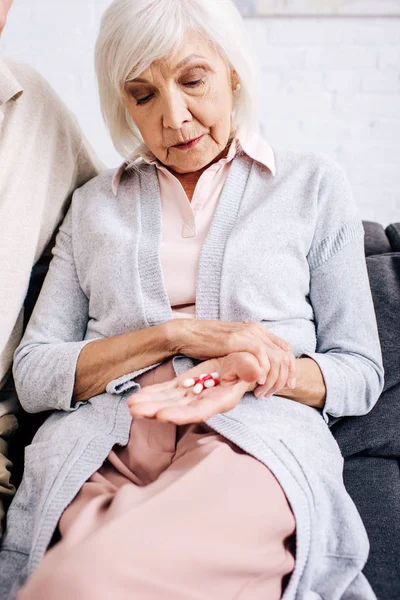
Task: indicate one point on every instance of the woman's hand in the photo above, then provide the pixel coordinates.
(204, 339)
(170, 401)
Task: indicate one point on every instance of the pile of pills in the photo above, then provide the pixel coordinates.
(206, 380)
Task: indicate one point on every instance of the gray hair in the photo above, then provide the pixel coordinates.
(134, 33)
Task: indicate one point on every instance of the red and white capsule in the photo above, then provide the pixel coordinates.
(205, 380)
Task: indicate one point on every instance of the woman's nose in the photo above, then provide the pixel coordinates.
(174, 111)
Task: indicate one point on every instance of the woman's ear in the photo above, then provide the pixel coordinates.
(234, 79)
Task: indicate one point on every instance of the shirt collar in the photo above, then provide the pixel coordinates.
(10, 88)
(255, 147)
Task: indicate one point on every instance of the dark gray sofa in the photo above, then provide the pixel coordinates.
(370, 444)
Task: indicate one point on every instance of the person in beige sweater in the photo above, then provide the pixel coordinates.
(44, 157)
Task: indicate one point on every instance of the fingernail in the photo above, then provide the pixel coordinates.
(262, 380)
(292, 383)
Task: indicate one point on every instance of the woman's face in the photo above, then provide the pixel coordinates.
(174, 102)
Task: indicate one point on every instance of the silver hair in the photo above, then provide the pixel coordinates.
(134, 33)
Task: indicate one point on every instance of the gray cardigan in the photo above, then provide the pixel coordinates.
(286, 251)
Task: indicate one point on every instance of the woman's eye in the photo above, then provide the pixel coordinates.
(144, 100)
(193, 83)
(189, 83)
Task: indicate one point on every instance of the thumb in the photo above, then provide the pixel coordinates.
(241, 365)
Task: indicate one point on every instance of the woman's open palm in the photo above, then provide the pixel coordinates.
(170, 401)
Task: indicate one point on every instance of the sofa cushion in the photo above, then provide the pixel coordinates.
(375, 240)
(377, 433)
(393, 234)
(374, 485)
(374, 434)
(384, 276)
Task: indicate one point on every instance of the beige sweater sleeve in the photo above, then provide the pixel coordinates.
(44, 157)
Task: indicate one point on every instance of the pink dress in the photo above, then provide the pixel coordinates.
(180, 513)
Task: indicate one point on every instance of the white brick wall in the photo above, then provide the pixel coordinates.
(331, 84)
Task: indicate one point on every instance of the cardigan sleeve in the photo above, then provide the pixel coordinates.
(348, 349)
(45, 360)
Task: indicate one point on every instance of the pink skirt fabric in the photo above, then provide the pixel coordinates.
(180, 513)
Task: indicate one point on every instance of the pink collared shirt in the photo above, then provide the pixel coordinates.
(186, 223)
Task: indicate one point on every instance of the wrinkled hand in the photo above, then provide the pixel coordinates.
(171, 402)
(207, 339)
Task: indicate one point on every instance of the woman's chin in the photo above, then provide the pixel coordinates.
(191, 163)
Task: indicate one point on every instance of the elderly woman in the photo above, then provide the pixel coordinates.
(205, 252)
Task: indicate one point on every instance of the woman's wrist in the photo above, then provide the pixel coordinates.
(310, 385)
(174, 332)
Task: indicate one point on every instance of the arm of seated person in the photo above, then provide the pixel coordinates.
(103, 360)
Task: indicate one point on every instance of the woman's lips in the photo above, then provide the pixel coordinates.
(189, 144)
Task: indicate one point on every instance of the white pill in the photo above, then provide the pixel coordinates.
(188, 382)
(215, 375)
(209, 383)
(198, 388)
(203, 375)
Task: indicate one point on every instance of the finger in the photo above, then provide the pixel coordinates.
(260, 352)
(282, 344)
(273, 373)
(240, 366)
(256, 345)
(155, 388)
(291, 382)
(221, 398)
(148, 395)
(265, 389)
(275, 339)
(271, 346)
(282, 377)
